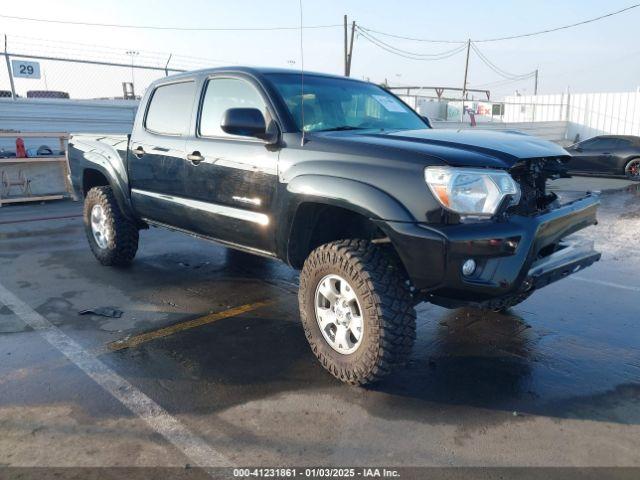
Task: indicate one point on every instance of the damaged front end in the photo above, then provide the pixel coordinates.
(532, 175)
(558, 258)
(525, 248)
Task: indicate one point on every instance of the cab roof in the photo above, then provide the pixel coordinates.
(254, 71)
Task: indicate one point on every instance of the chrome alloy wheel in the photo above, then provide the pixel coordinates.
(633, 169)
(339, 314)
(99, 226)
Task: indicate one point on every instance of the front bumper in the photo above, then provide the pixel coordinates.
(570, 258)
(513, 256)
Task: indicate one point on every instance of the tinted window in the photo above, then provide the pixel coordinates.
(624, 143)
(170, 108)
(341, 104)
(222, 94)
(601, 144)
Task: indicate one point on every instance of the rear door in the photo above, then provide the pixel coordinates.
(157, 153)
(232, 183)
(607, 154)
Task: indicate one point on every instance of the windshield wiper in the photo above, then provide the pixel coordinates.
(341, 128)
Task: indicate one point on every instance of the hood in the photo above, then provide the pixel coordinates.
(468, 147)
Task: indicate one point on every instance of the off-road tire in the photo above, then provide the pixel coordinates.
(385, 297)
(123, 241)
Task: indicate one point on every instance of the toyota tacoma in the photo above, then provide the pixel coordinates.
(342, 180)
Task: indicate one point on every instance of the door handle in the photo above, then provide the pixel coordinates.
(139, 151)
(195, 158)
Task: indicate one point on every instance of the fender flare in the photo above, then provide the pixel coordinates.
(350, 194)
(116, 180)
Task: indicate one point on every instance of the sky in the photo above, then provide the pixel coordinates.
(599, 57)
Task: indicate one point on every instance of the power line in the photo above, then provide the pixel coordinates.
(509, 37)
(498, 70)
(410, 55)
(498, 83)
(453, 51)
(564, 27)
(162, 27)
(427, 40)
(510, 77)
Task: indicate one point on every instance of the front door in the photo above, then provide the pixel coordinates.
(593, 155)
(231, 180)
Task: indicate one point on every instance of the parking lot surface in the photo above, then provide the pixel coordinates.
(209, 360)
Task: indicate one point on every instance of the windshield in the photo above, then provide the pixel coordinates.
(332, 104)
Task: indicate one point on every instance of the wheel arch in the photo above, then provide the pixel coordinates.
(327, 209)
(627, 161)
(97, 175)
(350, 194)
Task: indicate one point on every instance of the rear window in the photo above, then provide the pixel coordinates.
(170, 109)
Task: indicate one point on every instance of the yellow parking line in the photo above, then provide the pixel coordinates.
(136, 340)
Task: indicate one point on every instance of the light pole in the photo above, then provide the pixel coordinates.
(132, 54)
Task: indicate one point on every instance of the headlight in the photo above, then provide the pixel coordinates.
(471, 191)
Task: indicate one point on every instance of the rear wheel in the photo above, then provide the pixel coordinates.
(112, 237)
(357, 310)
(632, 169)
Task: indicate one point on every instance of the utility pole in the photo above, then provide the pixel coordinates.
(350, 55)
(535, 85)
(466, 72)
(346, 52)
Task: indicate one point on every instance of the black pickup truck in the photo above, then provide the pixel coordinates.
(339, 178)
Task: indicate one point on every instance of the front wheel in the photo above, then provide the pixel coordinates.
(632, 169)
(112, 237)
(357, 310)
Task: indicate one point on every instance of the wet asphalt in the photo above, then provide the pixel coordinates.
(553, 382)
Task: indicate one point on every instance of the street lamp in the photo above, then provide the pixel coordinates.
(132, 54)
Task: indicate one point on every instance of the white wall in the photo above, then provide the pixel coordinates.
(109, 116)
(553, 131)
(588, 114)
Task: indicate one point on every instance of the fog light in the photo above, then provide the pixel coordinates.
(469, 267)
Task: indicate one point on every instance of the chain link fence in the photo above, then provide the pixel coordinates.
(37, 68)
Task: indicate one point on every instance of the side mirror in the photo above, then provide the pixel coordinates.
(427, 121)
(247, 122)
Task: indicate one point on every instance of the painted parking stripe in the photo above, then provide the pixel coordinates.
(136, 340)
(192, 446)
(607, 284)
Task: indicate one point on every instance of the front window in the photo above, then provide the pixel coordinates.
(332, 104)
(224, 93)
(600, 144)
